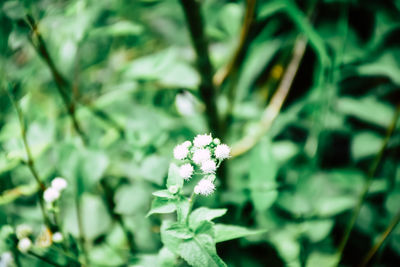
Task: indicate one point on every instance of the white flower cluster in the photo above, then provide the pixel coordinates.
(53, 193)
(23, 232)
(205, 154)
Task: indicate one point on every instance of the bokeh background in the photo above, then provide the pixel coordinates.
(305, 93)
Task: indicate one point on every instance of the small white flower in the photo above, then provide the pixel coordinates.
(57, 237)
(181, 152)
(59, 183)
(6, 259)
(173, 189)
(222, 151)
(201, 155)
(24, 244)
(186, 171)
(216, 141)
(202, 140)
(23, 230)
(51, 194)
(208, 166)
(204, 187)
(187, 144)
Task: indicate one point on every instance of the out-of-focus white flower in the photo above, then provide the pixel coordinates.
(222, 151)
(51, 194)
(173, 189)
(185, 104)
(181, 151)
(186, 171)
(204, 187)
(208, 166)
(24, 244)
(23, 230)
(59, 183)
(187, 144)
(57, 237)
(201, 155)
(216, 141)
(6, 259)
(202, 140)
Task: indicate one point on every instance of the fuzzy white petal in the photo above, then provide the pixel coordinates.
(51, 194)
(201, 155)
(186, 171)
(202, 140)
(59, 183)
(181, 152)
(208, 166)
(24, 244)
(204, 187)
(222, 151)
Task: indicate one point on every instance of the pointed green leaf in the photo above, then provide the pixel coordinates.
(204, 214)
(224, 232)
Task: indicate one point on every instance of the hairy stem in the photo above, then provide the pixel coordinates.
(195, 23)
(42, 258)
(363, 195)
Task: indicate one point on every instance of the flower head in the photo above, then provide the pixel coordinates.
(51, 194)
(59, 183)
(181, 151)
(202, 140)
(23, 230)
(57, 237)
(208, 166)
(186, 171)
(201, 155)
(24, 244)
(187, 144)
(204, 187)
(222, 151)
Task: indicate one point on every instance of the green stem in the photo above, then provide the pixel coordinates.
(61, 83)
(195, 23)
(191, 200)
(367, 185)
(381, 240)
(82, 239)
(47, 260)
(30, 161)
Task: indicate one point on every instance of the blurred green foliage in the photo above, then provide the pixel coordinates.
(129, 71)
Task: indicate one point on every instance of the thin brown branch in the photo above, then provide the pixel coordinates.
(395, 221)
(363, 195)
(272, 110)
(226, 71)
(195, 23)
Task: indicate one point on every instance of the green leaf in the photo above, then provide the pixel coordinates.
(224, 232)
(130, 199)
(173, 176)
(204, 214)
(263, 172)
(152, 173)
(163, 194)
(120, 28)
(179, 230)
(160, 205)
(166, 258)
(200, 251)
(367, 110)
(365, 144)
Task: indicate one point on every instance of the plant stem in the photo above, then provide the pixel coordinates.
(230, 68)
(274, 107)
(30, 162)
(395, 221)
(62, 85)
(367, 185)
(42, 258)
(191, 200)
(195, 22)
(82, 239)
